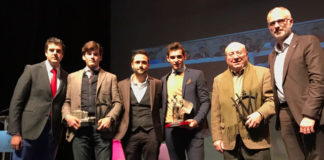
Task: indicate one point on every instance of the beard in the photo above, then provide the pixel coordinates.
(140, 72)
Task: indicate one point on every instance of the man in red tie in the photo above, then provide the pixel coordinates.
(35, 108)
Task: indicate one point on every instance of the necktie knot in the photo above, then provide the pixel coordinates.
(53, 71)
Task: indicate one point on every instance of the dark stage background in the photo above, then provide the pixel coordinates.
(124, 25)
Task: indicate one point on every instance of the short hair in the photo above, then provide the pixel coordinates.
(90, 46)
(175, 46)
(54, 40)
(140, 51)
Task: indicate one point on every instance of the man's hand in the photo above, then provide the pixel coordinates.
(253, 120)
(219, 146)
(73, 122)
(104, 123)
(192, 123)
(16, 142)
(307, 126)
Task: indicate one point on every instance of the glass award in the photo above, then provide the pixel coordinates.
(180, 107)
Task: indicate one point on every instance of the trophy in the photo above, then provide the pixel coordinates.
(84, 118)
(180, 107)
(243, 110)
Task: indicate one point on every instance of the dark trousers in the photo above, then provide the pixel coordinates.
(42, 148)
(88, 144)
(181, 141)
(298, 145)
(241, 152)
(141, 142)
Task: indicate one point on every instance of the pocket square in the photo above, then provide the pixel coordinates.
(189, 81)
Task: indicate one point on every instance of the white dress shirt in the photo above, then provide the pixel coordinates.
(279, 65)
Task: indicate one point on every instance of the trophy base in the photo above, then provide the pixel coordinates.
(177, 124)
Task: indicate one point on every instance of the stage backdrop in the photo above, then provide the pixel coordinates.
(208, 55)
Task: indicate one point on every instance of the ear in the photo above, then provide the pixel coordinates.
(83, 57)
(167, 57)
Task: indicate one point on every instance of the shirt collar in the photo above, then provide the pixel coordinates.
(285, 44)
(87, 69)
(238, 74)
(49, 67)
(179, 71)
(135, 83)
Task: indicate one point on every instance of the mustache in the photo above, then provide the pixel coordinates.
(277, 30)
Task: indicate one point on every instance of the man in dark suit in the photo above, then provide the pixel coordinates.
(94, 91)
(140, 128)
(35, 108)
(297, 72)
(184, 84)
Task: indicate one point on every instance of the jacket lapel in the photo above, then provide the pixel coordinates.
(78, 85)
(185, 79)
(152, 92)
(126, 96)
(101, 77)
(47, 80)
(290, 52)
(62, 79)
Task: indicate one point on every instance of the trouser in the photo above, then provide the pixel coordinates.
(141, 142)
(42, 148)
(88, 144)
(298, 145)
(180, 140)
(241, 152)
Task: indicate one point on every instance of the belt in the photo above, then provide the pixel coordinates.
(283, 105)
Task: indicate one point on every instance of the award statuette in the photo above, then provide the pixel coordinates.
(241, 108)
(84, 118)
(180, 107)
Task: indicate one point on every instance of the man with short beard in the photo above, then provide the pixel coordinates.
(297, 72)
(140, 130)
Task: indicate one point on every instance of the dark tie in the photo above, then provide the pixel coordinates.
(53, 82)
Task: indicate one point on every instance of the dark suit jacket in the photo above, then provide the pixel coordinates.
(194, 89)
(32, 102)
(107, 96)
(155, 101)
(303, 79)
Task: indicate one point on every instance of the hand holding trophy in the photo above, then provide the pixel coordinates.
(180, 108)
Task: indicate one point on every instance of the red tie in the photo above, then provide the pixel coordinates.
(53, 82)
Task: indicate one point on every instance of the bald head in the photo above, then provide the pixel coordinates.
(235, 46)
(279, 12)
(236, 56)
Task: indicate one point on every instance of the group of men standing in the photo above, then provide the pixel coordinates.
(244, 98)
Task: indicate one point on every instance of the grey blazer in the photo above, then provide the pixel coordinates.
(32, 102)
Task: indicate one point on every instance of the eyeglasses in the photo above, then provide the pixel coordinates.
(280, 22)
(238, 53)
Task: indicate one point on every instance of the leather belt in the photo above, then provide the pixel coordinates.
(283, 105)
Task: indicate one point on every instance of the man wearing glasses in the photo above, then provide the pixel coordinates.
(242, 103)
(297, 71)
